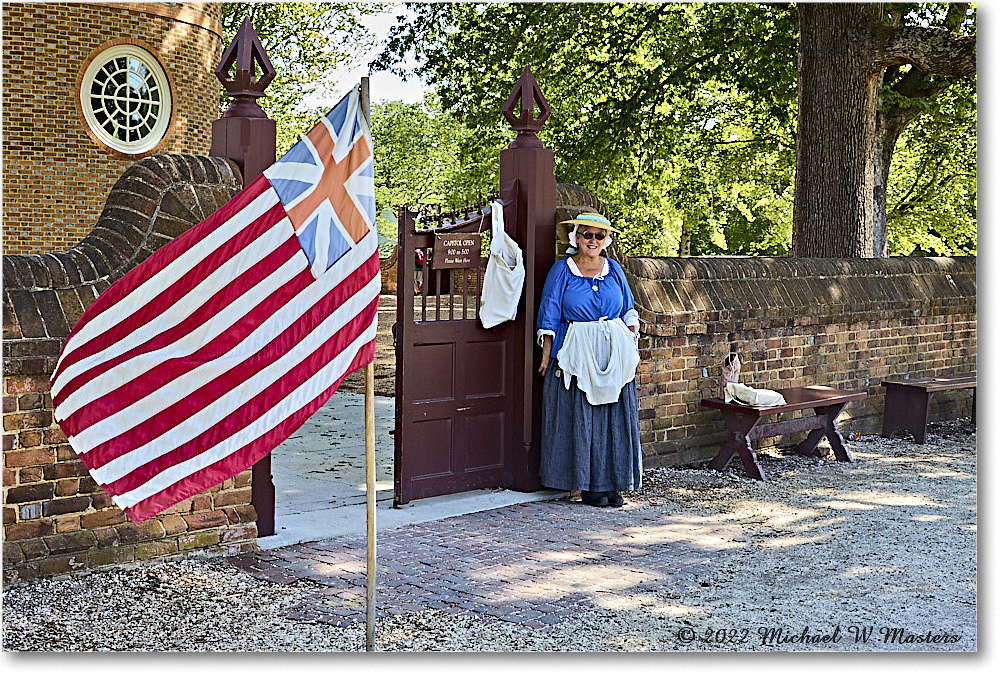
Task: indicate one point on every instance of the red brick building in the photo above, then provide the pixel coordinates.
(92, 91)
(88, 89)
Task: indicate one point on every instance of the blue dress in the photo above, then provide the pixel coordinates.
(584, 446)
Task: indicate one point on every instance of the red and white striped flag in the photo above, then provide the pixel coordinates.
(210, 353)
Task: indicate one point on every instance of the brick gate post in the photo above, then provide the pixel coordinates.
(245, 135)
(531, 221)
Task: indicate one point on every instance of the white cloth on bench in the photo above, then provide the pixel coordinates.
(742, 394)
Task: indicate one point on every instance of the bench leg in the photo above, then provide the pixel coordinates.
(907, 409)
(832, 433)
(829, 429)
(738, 426)
(807, 446)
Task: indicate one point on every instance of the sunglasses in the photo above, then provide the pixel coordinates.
(593, 235)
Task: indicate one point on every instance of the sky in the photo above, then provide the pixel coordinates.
(383, 86)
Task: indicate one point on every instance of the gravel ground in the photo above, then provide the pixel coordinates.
(823, 549)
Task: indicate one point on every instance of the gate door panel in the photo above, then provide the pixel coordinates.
(454, 426)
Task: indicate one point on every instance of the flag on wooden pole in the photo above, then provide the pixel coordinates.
(210, 353)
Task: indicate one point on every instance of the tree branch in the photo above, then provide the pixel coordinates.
(932, 50)
(904, 207)
(909, 198)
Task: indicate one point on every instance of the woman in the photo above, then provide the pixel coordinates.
(588, 328)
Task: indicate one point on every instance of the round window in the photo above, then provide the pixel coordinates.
(125, 96)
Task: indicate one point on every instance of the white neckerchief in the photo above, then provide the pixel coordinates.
(600, 277)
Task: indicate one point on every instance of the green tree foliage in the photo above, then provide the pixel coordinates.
(681, 117)
(305, 42)
(931, 206)
(422, 158)
(658, 108)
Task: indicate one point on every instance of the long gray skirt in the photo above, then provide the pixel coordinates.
(588, 447)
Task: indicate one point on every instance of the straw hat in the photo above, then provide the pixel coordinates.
(589, 219)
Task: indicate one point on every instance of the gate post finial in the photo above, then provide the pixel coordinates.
(244, 133)
(246, 53)
(523, 99)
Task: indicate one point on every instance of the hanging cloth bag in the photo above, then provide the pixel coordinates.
(504, 279)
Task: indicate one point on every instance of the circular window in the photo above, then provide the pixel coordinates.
(125, 96)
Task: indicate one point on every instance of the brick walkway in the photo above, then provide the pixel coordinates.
(531, 564)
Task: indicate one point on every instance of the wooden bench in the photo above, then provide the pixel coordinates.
(742, 422)
(908, 402)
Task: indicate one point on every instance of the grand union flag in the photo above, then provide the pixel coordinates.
(210, 353)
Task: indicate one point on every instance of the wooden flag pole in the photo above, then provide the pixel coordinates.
(370, 501)
(369, 457)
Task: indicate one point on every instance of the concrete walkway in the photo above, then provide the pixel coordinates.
(319, 479)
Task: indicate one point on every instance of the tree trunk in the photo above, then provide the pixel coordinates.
(888, 127)
(838, 102)
(843, 154)
(684, 245)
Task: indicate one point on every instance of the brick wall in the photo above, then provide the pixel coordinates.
(794, 322)
(55, 176)
(55, 517)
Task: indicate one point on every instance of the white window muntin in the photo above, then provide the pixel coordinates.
(125, 96)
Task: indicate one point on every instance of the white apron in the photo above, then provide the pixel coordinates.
(602, 355)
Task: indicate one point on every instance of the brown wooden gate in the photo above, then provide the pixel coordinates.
(468, 400)
(454, 430)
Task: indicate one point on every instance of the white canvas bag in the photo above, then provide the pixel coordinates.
(504, 279)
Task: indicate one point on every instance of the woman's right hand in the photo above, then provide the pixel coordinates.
(546, 354)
